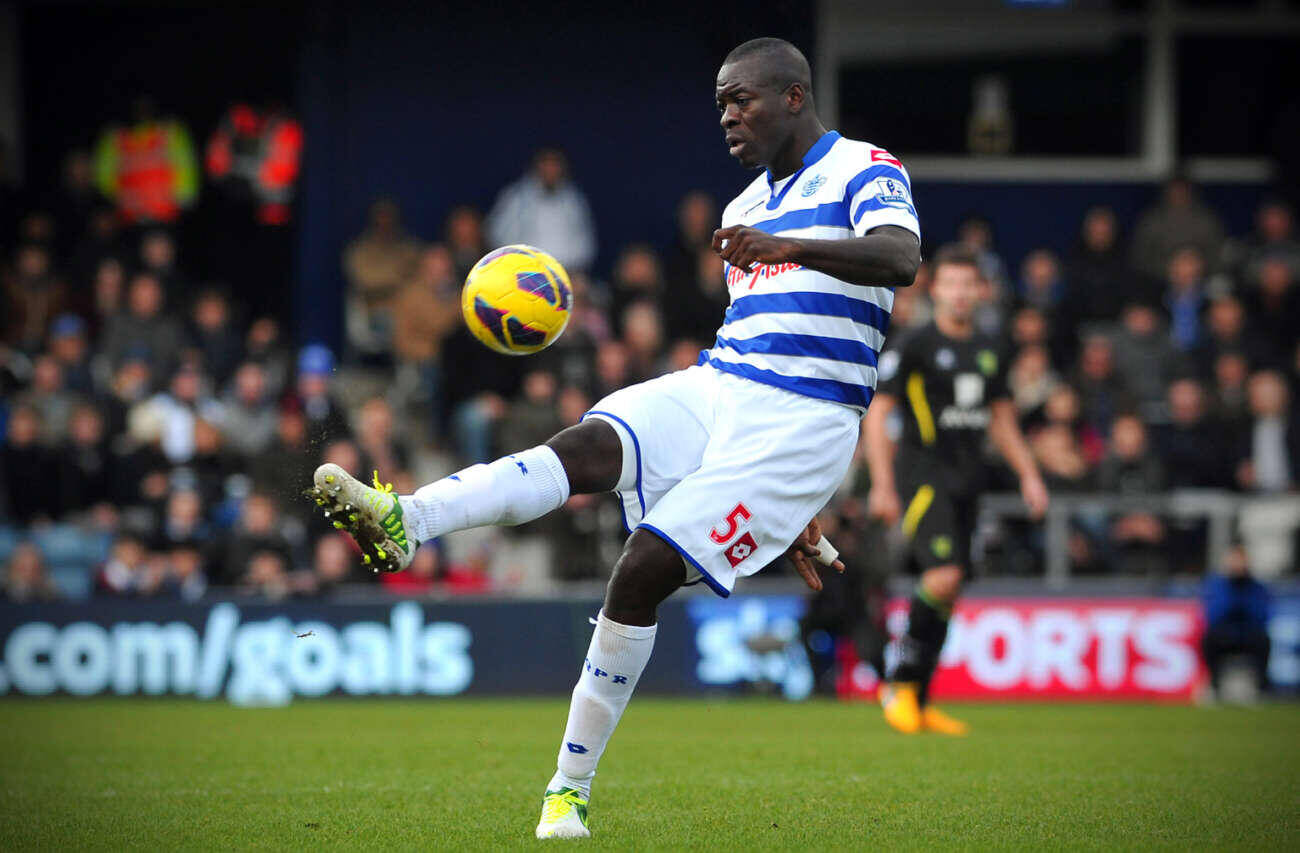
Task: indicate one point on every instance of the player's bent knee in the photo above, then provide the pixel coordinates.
(592, 455)
(943, 583)
(648, 571)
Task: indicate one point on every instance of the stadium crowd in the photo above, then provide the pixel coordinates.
(157, 431)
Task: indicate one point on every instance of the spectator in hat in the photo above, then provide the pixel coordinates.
(71, 350)
(326, 419)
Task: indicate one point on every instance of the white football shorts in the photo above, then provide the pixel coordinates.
(726, 470)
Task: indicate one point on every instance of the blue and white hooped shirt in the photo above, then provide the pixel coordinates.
(802, 330)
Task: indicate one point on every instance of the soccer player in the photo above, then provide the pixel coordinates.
(720, 467)
(950, 383)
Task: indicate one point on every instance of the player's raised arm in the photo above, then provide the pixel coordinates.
(887, 256)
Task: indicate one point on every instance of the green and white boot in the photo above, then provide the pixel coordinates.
(371, 516)
(564, 815)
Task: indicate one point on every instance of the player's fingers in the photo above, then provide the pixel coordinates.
(838, 566)
(721, 235)
(809, 574)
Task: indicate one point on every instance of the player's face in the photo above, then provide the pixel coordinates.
(753, 113)
(955, 291)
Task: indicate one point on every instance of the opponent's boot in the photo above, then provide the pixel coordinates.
(935, 720)
(372, 516)
(902, 710)
(564, 815)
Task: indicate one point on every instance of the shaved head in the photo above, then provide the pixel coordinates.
(781, 63)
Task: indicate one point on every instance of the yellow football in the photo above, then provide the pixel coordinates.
(516, 300)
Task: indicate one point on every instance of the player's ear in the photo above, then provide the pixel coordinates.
(795, 98)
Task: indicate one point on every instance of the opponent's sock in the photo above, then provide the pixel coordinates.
(511, 490)
(617, 655)
(919, 648)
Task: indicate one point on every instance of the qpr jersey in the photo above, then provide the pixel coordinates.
(802, 330)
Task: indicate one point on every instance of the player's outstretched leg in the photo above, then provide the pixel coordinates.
(512, 490)
(648, 572)
(905, 698)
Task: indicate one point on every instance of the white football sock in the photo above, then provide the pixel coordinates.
(617, 655)
(511, 490)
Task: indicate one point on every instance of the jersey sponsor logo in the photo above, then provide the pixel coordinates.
(736, 276)
(987, 361)
(879, 156)
(968, 390)
(955, 417)
(944, 358)
(740, 551)
(813, 184)
(738, 515)
(892, 192)
(941, 545)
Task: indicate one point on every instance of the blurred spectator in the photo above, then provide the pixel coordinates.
(533, 418)
(267, 575)
(256, 534)
(71, 351)
(1229, 404)
(186, 579)
(425, 313)
(1041, 282)
(264, 346)
(326, 419)
(1236, 619)
(1274, 306)
(214, 335)
(1058, 453)
(34, 295)
(74, 202)
(643, 333)
(25, 578)
(1184, 297)
(464, 235)
(1130, 469)
(158, 256)
(1096, 271)
(975, 233)
(694, 283)
(545, 209)
(148, 169)
(1226, 331)
(100, 243)
(108, 290)
(334, 562)
(248, 417)
(173, 413)
(911, 304)
(1032, 381)
(637, 277)
(30, 492)
(183, 520)
(51, 400)
(1101, 387)
(84, 475)
(130, 571)
(288, 459)
(1180, 219)
(1145, 357)
(1182, 443)
(377, 264)
(697, 218)
(1274, 237)
(612, 368)
(144, 327)
(1271, 460)
(380, 448)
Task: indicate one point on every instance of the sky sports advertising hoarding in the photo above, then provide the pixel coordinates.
(268, 654)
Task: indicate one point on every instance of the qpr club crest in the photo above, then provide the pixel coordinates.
(813, 185)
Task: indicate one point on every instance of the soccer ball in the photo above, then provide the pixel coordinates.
(517, 299)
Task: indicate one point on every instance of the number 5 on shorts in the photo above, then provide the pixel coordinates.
(738, 514)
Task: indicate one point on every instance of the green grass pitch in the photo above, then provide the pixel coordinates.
(705, 775)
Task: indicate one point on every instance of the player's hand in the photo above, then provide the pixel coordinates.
(883, 503)
(802, 552)
(742, 247)
(1034, 493)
